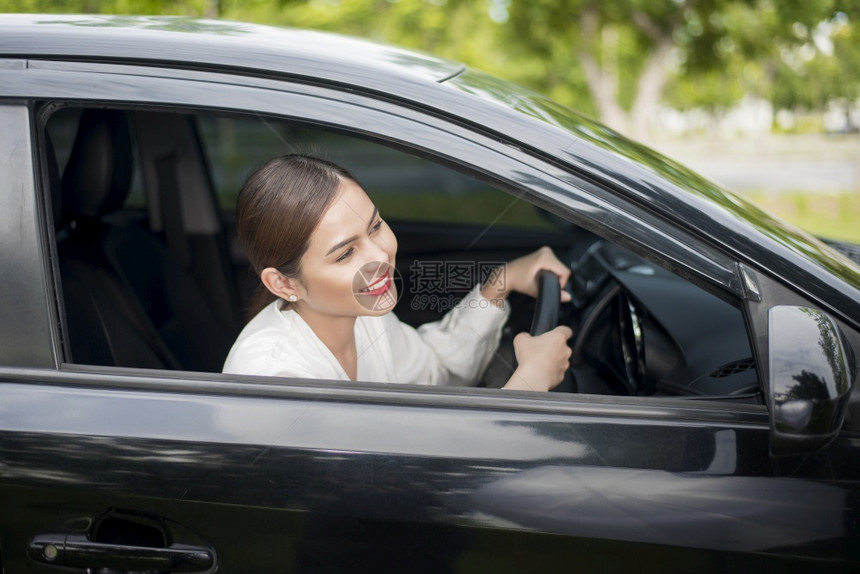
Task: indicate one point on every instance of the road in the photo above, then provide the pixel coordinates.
(814, 164)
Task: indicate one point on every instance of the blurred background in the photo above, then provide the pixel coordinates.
(760, 96)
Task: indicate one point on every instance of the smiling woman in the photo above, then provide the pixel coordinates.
(326, 261)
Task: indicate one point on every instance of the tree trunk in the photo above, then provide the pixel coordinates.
(602, 80)
(650, 88)
(213, 9)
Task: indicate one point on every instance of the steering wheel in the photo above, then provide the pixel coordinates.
(626, 360)
(632, 345)
(547, 302)
(545, 317)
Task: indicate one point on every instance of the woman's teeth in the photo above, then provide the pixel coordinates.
(379, 284)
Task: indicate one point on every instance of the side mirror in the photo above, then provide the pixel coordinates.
(812, 371)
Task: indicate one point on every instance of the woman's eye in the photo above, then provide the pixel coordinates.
(345, 255)
(376, 226)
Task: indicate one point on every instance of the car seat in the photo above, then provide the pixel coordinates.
(128, 302)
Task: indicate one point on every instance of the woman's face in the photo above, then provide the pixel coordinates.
(348, 269)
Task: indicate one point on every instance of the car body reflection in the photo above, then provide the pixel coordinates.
(697, 510)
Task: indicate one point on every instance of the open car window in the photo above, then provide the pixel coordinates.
(152, 275)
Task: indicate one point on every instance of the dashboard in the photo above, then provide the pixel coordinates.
(640, 330)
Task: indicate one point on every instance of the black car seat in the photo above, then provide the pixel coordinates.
(128, 303)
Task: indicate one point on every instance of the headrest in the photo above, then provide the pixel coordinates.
(97, 177)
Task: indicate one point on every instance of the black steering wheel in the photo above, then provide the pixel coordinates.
(623, 364)
(547, 302)
(630, 331)
(545, 317)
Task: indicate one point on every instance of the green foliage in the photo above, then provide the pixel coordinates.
(723, 49)
(196, 8)
(713, 90)
(814, 79)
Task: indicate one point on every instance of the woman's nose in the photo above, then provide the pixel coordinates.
(372, 258)
(383, 248)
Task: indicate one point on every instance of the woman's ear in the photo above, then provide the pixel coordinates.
(279, 284)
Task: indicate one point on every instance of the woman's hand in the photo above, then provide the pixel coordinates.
(542, 360)
(521, 275)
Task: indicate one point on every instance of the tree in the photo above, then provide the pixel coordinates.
(627, 48)
(846, 66)
(827, 72)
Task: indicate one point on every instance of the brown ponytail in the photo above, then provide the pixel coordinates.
(279, 207)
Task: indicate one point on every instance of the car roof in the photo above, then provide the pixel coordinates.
(174, 41)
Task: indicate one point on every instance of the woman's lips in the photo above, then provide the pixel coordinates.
(379, 286)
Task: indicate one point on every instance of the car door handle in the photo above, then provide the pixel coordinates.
(77, 551)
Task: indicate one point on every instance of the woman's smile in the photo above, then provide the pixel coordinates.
(378, 287)
(375, 286)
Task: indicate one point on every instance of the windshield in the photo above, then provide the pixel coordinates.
(550, 112)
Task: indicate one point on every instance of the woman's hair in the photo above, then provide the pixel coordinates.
(278, 208)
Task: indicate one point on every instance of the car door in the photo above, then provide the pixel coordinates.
(154, 470)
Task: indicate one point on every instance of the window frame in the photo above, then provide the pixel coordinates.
(30, 338)
(507, 167)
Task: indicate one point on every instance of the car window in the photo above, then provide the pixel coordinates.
(404, 186)
(159, 290)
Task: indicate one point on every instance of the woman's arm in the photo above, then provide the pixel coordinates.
(454, 350)
(458, 348)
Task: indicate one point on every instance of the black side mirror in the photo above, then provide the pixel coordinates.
(812, 371)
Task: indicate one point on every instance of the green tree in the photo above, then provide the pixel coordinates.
(846, 59)
(827, 72)
(628, 49)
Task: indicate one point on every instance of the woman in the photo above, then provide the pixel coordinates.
(326, 262)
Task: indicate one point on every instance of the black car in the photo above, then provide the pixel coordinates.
(708, 422)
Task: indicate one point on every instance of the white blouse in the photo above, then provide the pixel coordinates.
(452, 351)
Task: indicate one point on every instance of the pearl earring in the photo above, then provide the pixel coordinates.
(293, 298)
